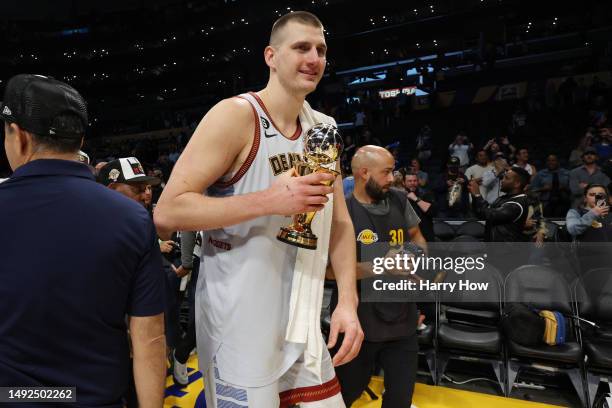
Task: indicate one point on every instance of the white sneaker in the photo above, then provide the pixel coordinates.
(179, 372)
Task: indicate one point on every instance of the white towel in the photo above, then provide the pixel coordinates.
(304, 324)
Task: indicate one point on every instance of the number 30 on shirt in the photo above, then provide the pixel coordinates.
(396, 236)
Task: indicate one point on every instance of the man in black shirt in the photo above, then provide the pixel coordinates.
(505, 218)
(382, 218)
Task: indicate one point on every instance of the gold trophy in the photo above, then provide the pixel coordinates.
(322, 147)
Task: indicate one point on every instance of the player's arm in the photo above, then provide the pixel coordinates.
(416, 237)
(216, 144)
(149, 349)
(343, 257)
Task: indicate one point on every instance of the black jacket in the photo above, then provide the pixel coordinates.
(505, 218)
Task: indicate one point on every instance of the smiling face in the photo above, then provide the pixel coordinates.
(297, 57)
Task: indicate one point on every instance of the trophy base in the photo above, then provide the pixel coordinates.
(305, 239)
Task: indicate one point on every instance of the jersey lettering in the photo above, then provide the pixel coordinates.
(283, 162)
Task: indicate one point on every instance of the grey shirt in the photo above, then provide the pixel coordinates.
(382, 208)
(187, 245)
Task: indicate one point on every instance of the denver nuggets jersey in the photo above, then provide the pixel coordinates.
(242, 298)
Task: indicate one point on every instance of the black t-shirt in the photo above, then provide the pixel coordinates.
(383, 321)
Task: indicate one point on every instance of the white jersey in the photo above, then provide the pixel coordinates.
(242, 298)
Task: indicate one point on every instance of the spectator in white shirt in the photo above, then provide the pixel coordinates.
(460, 148)
(476, 171)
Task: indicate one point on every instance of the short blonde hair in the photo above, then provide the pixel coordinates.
(303, 17)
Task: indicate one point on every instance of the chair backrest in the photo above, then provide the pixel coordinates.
(539, 286)
(472, 228)
(443, 230)
(593, 294)
(474, 297)
(466, 245)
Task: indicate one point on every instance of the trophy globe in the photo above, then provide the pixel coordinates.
(322, 145)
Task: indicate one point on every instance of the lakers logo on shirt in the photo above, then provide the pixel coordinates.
(283, 162)
(367, 237)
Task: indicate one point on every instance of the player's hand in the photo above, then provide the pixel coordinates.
(344, 320)
(166, 246)
(181, 271)
(292, 194)
(412, 196)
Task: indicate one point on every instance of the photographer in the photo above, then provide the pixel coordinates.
(591, 223)
(505, 218)
(594, 207)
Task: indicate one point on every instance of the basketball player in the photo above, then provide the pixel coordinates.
(241, 156)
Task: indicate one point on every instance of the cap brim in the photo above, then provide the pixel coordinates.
(154, 181)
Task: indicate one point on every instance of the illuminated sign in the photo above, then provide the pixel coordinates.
(393, 93)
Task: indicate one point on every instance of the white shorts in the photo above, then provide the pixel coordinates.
(297, 386)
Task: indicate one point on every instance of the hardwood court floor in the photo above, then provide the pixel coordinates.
(425, 396)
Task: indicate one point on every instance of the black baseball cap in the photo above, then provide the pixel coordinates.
(34, 102)
(126, 170)
(590, 150)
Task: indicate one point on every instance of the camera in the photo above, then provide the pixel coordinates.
(601, 199)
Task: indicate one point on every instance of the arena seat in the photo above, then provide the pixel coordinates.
(469, 323)
(472, 228)
(593, 295)
(443, 230)
(543, 287)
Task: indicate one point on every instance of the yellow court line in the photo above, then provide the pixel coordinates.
(425, 396)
